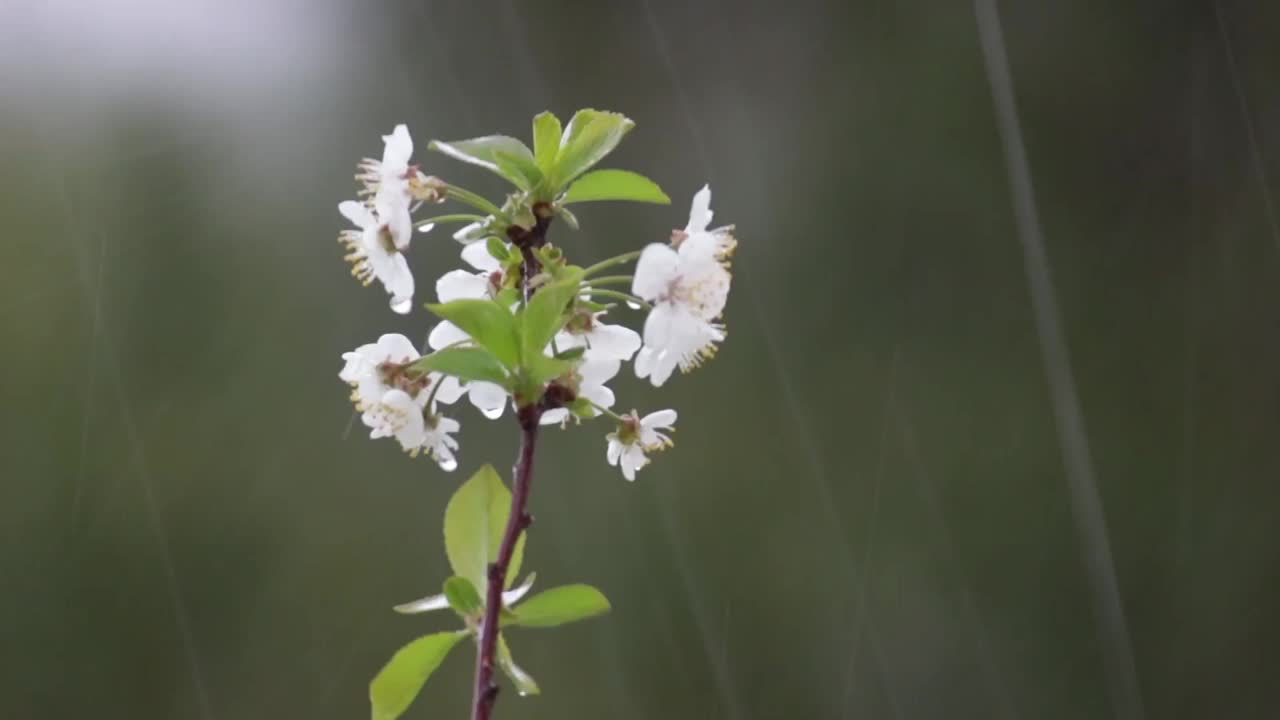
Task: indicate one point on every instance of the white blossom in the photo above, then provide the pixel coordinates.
(373, 250)
(700, 215)
(688, 286)
(393, 401)
(592, 373)
(391, 173)
(637, 436)
(391, 183)
(401, 416)
(462, 284)
(602, 341)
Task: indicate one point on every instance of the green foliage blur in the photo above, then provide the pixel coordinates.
(865, 514)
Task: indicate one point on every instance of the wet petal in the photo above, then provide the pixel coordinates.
(357, 213)
(700, 213)
(426, 604)
(661, 419)
(477, 255)
(655, 271)
(461, 285)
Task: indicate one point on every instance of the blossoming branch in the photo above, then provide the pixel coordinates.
(521, 328)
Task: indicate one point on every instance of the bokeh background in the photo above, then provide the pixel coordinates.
(866, 514)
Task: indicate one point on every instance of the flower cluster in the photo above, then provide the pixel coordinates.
(520, 325)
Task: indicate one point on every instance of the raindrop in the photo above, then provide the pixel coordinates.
(426, 228)
(401, 305)
(448, 465)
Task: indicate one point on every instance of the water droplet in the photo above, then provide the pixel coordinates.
(449, 465)
(401, 305)
(426, 228)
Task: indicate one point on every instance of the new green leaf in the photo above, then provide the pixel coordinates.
(615, 185)
(466, 363)
(524, 682)
(462, 595)
(591, 135)
(565, 604)
(546, 140)
(569, 218)
(506, 156)
(488, 323)
(474, 522)
(543, 317)
(402, 678)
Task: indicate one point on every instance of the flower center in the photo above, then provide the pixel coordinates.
(397, 375)
(386, 241)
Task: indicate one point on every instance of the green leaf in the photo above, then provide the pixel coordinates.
(542, 368)
(524, 682)
(463, 596)
(615, 185)
(546, 140)
(543, 317)
(491, 325)
(574, 353)
(466, 363)
(497, 249)
(569, 218)
(474, 522)
(506, 156)
(561, 605)
(507, 297)
(402, 678)
(513, 168)
(591, 135)
(582, 407)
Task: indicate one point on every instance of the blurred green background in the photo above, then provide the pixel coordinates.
(866, 513)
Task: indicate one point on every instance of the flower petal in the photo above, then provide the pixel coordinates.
(553, 416)
(512, 596)
(445, 334)
(645, 359)
(357, 213)
(396, 348)
(477, 255)
(489, 398)
(660, 419)
(426, 604)
(450, 390)
(598, 371)
(700, 213)
(658, 325)
(655, 271)
(397, 151)
(615, 341)
(392, 206)
(461, 285)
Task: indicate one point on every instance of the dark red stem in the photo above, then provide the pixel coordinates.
(518, 520)
(486, 690)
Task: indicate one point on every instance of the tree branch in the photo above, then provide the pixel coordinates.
(518, 519)
(486, 690)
